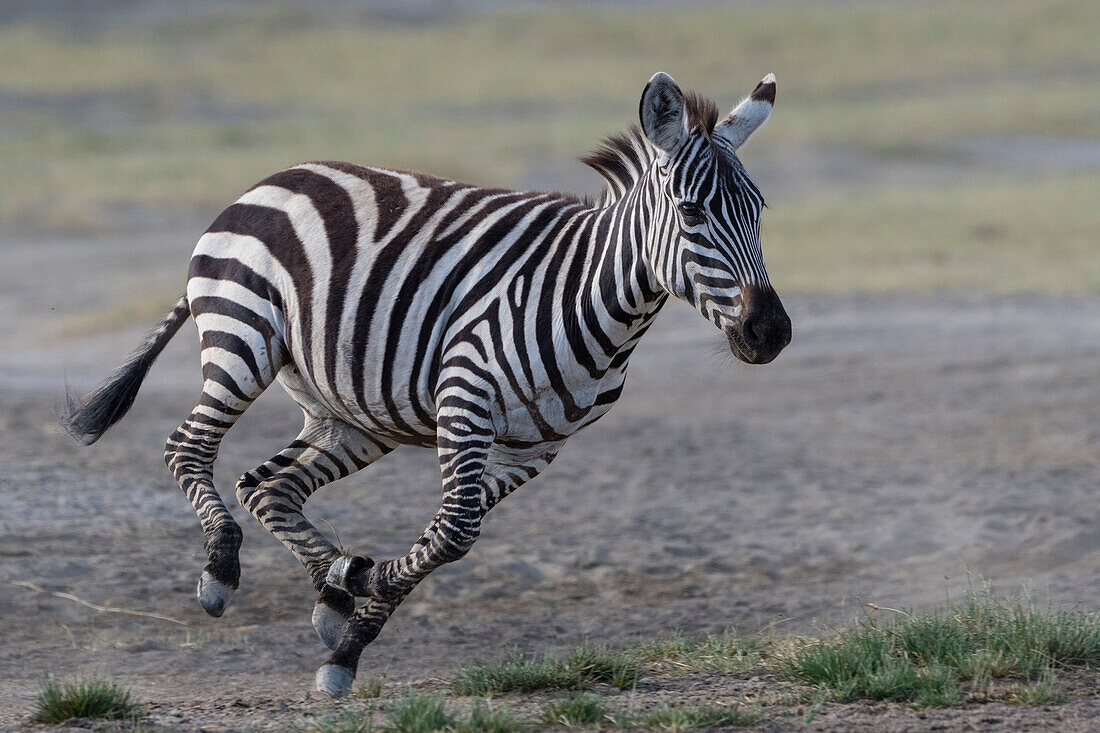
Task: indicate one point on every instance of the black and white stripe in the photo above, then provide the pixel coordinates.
(401, 309)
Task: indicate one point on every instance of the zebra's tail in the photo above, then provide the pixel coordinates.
(88, 419)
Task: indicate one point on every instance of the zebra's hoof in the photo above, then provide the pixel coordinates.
(213, 594)
(329, 624)
(347, 569)
(334, 681)
(338, 575)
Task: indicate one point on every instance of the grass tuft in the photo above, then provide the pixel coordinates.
(419, 714)
(484, 719)
(370, 688)
(514, 674)
(582, 708)
(1043, 691)
(91, 698)
(980, 649)
(349, 722)
(589, 664)
(725, 653)
(586, 665)
(690, 717)
(927, 659)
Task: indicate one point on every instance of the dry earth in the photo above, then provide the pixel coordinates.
(900, 443)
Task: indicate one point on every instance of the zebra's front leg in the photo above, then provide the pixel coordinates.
(386, 585)
(327, 449)
(447, 538)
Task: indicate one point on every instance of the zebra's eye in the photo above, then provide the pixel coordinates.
(691, 211)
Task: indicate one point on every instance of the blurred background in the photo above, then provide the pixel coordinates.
(933, 177)
(914, 146)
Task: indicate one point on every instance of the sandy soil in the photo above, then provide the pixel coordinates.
(900, 444)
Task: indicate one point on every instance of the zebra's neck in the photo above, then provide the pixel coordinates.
(610, 292)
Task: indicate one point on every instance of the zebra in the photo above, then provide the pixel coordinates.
(397, 308)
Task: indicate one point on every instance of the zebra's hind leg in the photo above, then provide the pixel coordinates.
(190, 453)
(327, 449)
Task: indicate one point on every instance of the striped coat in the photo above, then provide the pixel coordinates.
(397, 308)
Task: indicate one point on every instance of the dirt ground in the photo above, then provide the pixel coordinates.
(900, 448)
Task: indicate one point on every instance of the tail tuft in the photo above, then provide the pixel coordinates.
(88, 419)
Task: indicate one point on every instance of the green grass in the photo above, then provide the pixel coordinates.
(932, 659)
(369, 688)
(1036, 234)
(1043, 691)
(585, 666)
(421, 713)
(690, 717)
(515, 674)
(348, 722)
(88, 698)
(934, 55)
(418, 714)
(725, 653)
(484, 718)
(981, 649)
(576, 710)
(590, 664)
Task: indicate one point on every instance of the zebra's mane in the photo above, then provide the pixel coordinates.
(623, 159)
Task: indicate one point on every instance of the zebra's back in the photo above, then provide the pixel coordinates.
(360, 281)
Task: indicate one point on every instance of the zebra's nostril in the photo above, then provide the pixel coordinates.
(753, 331)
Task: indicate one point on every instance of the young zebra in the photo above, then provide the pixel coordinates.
(401, 309)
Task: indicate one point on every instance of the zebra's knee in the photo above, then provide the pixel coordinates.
(261, 495)
(172, 449)
(186, 455)
(247, 488)
(450, 546)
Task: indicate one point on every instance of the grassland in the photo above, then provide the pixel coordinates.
(979, 650)
(185, 114)
(1004, 235)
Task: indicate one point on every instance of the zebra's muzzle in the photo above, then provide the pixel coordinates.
(764, 329)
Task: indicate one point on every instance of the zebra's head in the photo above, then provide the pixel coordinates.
(704, 237)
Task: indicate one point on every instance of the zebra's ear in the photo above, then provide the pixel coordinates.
(664, 120)
(748, 116)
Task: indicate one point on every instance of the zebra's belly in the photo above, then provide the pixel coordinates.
(539, 417)
(401, 413)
